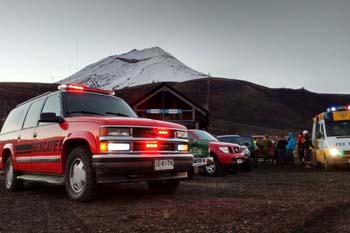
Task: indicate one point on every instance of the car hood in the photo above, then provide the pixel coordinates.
(130, 121)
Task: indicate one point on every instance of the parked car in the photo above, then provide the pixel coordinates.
(80, 136)
(200, 151)
(226, 156)
(247, 165)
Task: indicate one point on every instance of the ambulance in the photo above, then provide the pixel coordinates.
(331, 138)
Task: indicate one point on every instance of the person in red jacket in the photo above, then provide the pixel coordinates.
(301, 141)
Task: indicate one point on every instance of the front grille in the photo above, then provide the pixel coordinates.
(346, 152)
(164, 146)
(150, 133)
(236, 149)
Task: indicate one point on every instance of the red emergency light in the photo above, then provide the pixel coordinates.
(151, 145)
(163, 133)
(81, 88)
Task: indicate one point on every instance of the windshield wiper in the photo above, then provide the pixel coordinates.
(85, 112)
(117, 114)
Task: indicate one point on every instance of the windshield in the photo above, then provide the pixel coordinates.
(247, 139)
(338, 128)
(77, 104)
(231, 139)
(203, 135)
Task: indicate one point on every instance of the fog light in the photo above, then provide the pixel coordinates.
(182, 147)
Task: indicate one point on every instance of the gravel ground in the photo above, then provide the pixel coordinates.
(264, 200)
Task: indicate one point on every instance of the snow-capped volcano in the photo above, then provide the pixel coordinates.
(134, 68)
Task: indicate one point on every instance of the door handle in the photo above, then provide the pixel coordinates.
(35, 135)
(19, 137)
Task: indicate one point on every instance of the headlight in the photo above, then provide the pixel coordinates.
(114, 146)
(224, 149)
(333, 152)
(115, 131)
(181, 134)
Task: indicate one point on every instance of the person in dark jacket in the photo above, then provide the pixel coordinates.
(281, 150)
(290, 148)
(307, 148)
(267, 145)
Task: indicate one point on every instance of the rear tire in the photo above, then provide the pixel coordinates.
(163, 186)
(80, 178)
(11, 181)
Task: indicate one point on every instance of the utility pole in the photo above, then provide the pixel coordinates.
(208, 92)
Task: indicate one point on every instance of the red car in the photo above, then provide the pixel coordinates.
(81, 136)
(227, 156)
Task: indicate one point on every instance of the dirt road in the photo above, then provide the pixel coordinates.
(264, 200)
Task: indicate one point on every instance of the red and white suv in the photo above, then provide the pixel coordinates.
(81, 136)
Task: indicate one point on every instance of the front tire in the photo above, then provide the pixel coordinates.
(80, 178)
(11, 181)
(214, 169)
(163, 186)
(327, 165)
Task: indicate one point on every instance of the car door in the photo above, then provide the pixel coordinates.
(47, 145)
(25, 139)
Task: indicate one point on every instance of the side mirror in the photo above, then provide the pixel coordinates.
(247, 144)
(50, 117)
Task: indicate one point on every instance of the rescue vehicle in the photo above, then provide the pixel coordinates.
(80, 136)
(331, 137)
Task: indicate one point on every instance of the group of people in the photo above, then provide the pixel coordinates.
(280, 151)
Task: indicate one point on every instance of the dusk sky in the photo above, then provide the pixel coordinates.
(275, 43)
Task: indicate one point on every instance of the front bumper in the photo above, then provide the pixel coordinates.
(201, 162)
(338, 160)
(111, 168)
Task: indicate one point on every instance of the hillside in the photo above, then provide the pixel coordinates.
(134, 68)
(235, 106)
(242, 107)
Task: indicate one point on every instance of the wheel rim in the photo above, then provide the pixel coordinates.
(210, 168)
(9, 174)
(77, 176)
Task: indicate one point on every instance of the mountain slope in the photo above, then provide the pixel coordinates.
(242, 107)
(134, 68)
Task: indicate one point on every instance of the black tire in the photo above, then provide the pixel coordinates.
(163, 186)
(190, 173)
(11, 181)
(214, 169)
(247, 166)
(328, 166)
(80, 178)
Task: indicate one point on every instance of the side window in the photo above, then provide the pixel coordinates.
(317, 130)
(15, 119)
(53, 104)
(33, 114)
(322, 131)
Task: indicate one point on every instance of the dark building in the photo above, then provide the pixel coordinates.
(163, 102)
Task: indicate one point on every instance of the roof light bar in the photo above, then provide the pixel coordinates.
(81, 88)
(338, 108)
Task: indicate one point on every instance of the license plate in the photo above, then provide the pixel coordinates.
(163, 164)
(239, 161)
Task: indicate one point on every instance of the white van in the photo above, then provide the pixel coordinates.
(331, 137)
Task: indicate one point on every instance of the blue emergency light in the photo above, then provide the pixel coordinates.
(338, 108)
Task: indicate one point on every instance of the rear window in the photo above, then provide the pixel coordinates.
(15, 119)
